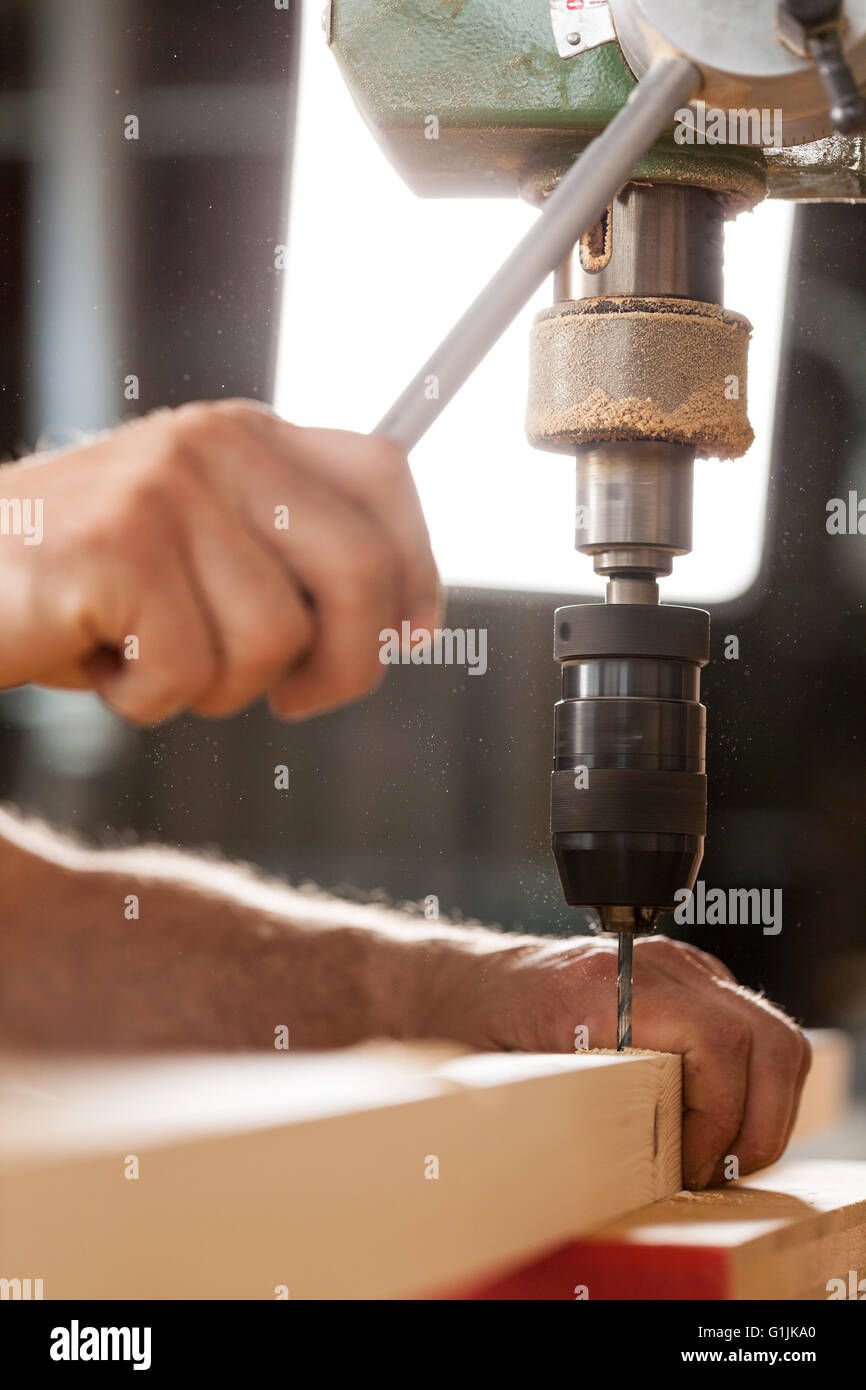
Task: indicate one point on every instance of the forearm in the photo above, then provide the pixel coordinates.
(144, 948)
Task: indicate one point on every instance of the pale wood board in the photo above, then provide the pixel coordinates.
(779, 1234)
(309, 1172)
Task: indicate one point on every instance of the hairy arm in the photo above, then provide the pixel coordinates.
(148, 947)
(217, 957)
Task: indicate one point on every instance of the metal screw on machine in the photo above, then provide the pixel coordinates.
(596, 27)
(815, 29)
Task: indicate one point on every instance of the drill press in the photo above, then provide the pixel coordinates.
(628, 368)
(597, 112)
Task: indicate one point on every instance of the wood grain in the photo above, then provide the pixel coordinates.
(310, 1172)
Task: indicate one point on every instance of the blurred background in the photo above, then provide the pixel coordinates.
(145, 272)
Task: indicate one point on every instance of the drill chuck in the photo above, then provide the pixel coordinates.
(628, 805)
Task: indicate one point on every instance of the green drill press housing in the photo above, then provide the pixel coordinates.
(471, 98)
(511, 115)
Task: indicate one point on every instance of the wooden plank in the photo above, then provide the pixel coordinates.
(785, 1233)
(316, 1173)
(702, 1246)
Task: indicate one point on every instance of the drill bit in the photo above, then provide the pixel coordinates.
(627, 922)
(624, 969)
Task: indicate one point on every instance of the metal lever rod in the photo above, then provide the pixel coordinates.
(847, 103)
(605, 165)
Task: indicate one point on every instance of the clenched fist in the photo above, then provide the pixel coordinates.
(200, 558)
